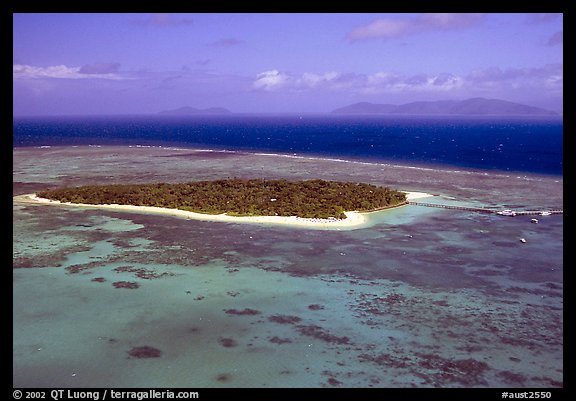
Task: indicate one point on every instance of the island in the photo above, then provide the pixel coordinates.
(310, 199)
(191, 111)
(469, 107)
(315, 204)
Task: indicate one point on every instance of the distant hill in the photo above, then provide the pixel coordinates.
(476, 106)
(189, 111)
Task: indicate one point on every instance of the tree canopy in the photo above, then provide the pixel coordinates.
(241, 197)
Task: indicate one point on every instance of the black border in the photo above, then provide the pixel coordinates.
(562, 6)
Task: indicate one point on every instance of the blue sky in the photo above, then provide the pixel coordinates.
(259, 63)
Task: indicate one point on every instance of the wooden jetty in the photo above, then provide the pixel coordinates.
(486, 210)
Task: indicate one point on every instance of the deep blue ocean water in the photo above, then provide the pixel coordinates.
(532, 145)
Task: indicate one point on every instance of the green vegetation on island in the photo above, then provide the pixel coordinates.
(241, 197)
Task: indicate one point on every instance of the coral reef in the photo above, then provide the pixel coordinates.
(125, 284)
(145, 351)
(243, 312)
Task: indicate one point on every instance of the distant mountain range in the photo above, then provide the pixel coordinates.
(191, 111)
(475, 106)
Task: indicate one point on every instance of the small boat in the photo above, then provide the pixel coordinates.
(535, 221)
(506, 212)
(522, 240)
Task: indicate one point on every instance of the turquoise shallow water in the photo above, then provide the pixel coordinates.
(422, 297)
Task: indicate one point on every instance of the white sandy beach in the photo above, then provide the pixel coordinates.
(416, 195)
(353, 219)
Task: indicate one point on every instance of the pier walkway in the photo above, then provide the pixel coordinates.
(486, 210)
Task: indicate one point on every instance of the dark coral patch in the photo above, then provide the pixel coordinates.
(511, 377)
(334, 382)
(227, 342)
(145, 351)
(392, 299)
(125, 284)
(141, 273)
(243, 312)
(386, 360)
(80, 268)
(224, 377)
(278, 340)
(98, 279)
(321, 334)
(468, 372)
(284, 319)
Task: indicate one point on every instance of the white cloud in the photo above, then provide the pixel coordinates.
(386, 82)
(390, 28)
(491, 81)
(270, 80)
(384, 28)
(311, 80)
(275, 80)
(379, 82)
(57, 71)
(100, 68)
(548, 77)
(382, 78)
(23, 71)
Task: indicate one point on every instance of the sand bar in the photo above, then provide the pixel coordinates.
(353, 219)
(416, 195)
